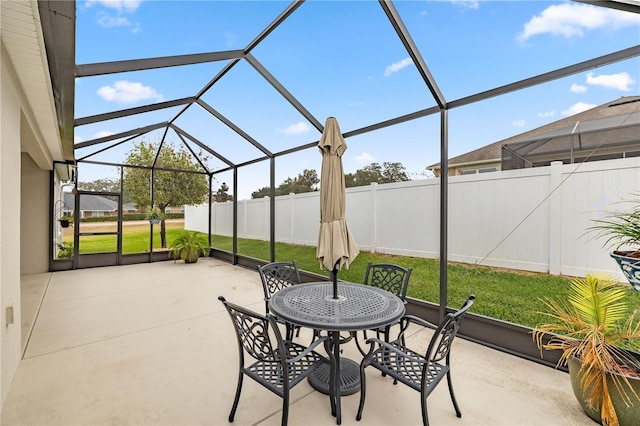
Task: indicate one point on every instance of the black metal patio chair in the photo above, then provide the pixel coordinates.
(422, 371)
(394, 279)
(278, 364)
(276, 276)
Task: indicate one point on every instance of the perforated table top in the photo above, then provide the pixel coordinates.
(357, 307)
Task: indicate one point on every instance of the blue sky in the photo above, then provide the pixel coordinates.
(343, 59)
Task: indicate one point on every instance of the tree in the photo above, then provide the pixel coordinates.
(169, 188)
(394, 172)
(307, 181)
(104, 185)
(261, 193)
(222, 194)
(386, 173)
(101, 185)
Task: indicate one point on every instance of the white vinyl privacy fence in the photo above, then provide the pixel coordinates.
(529, 219)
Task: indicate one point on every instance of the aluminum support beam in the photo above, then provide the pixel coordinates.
(204, 166)
(139, 131)
(272, 210)
(131, 111)
(414, 53)
(103, 68)
(620, 55)
(274, 24)
(208, 86)
(232, 126)
(107, 148)
(284, 92)
(201, 145)
(444, 210)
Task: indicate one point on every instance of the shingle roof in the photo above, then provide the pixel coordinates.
(493, 152)
(90, 203)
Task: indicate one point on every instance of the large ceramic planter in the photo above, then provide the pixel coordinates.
(630, 267)
(192, 256)
(627, 416)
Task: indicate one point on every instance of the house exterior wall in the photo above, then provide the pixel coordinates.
(474, 168)
(10, 115)
(34, 218)
(29, 144)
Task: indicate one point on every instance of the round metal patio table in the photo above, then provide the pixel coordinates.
(357, 307)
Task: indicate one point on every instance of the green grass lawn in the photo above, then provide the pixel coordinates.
(502, 294)
(507, 295)
(134, 242)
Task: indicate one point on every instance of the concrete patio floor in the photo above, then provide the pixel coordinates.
(151, 344)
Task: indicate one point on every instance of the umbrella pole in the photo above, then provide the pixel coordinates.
(334, 274)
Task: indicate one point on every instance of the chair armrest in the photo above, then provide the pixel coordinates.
(417, 320)
(408, 319)
(309, 349)
(387, 346)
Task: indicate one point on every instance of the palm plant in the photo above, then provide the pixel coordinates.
(593, 326)
(188, 246)
(620, 229)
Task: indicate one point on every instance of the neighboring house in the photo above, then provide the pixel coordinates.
(174, 209)
(608, 131)
(95, 206)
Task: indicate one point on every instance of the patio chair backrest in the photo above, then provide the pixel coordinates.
(279, 364)
(277, 275)
(440, 344)
(407, 366)
(393, 278)
(252, 331)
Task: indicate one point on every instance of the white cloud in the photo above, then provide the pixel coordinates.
(578, 88)
(365, 157)
(102, 134)
(518, 123)
(578, 107)
(547, 114)
(393, 68)
(128, 92)
(620, 81)
(572, 20)
(295, 129)
(122, 6)
(467, 4)
(77, 139)
(107, 21)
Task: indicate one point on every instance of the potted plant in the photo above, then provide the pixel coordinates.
(65, 250)
(65, 221)
(596, 335)
(154, 215)
(188, 246)
(623, 230)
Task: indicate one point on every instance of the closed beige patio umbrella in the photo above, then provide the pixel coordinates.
(336, 246)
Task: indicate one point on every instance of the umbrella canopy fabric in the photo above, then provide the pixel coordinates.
(336, 246)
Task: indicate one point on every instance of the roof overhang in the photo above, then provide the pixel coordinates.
(626, 5)
(58, 19)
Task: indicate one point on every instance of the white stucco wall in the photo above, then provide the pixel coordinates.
(10, 334)
(34, 217)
